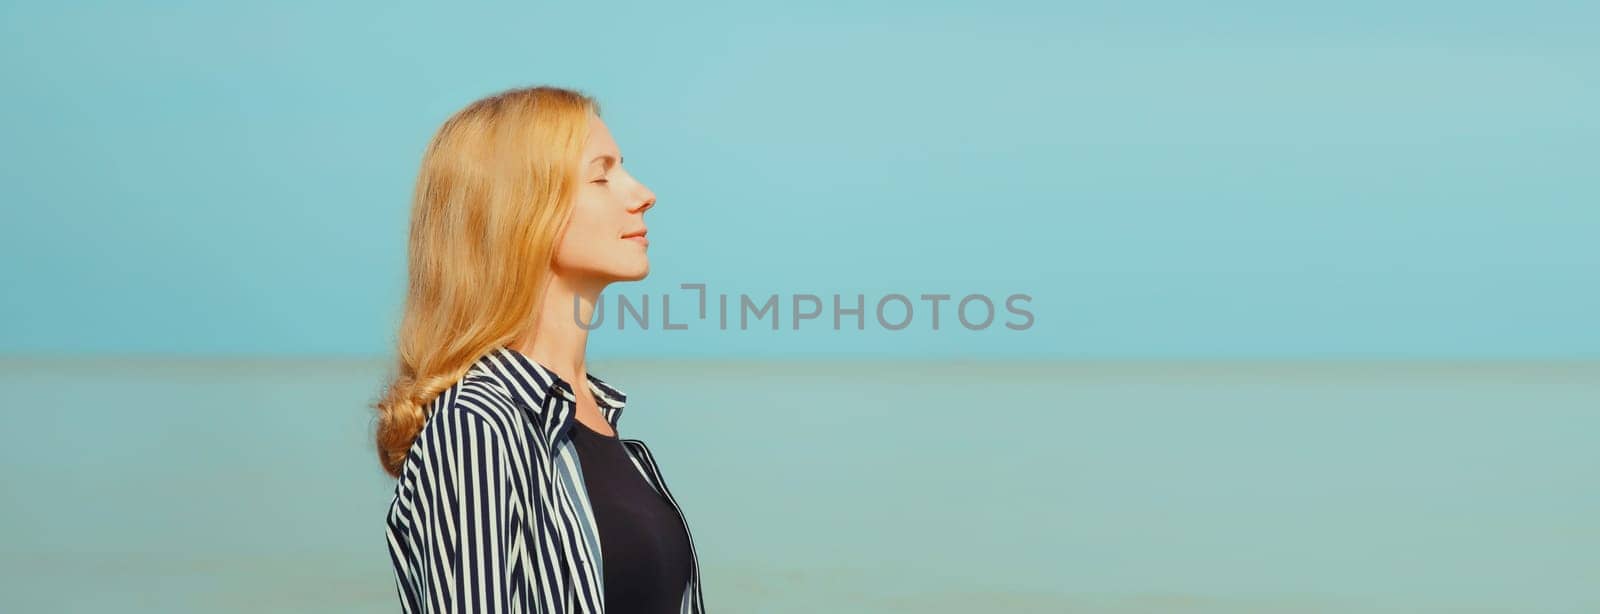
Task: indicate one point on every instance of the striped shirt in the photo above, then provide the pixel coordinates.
(490, 513)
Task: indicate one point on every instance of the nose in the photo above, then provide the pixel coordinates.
(646, 201)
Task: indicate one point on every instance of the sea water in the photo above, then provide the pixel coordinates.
(937, 487)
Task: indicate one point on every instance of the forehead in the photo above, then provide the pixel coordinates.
(600, 141)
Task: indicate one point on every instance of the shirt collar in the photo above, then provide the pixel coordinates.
(530, 384)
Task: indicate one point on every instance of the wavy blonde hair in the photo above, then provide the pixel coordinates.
(492, 198)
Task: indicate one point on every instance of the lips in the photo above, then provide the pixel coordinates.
(637, 233)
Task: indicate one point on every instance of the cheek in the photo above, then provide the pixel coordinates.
(589, 219)
(588, 230)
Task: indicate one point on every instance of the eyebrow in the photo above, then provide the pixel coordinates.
(610, 160)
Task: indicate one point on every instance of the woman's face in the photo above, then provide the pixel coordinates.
(604, 241)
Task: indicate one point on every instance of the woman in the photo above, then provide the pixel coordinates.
(514, 491)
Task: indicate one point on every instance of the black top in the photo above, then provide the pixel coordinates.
(644, 550)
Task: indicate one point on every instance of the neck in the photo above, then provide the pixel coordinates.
(556, 339)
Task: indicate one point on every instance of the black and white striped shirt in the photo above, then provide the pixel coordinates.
(490, 513)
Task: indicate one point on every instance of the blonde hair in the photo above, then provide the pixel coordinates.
(492, 198)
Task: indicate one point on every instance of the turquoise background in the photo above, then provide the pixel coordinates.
(1313, 291)
(1237, 179)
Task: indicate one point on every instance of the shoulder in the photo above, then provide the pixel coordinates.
(481, 398)
(473, 417)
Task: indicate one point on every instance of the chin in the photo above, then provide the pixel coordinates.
(636, 274)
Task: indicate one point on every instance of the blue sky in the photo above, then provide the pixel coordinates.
(1165, 180)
